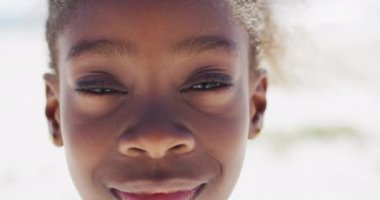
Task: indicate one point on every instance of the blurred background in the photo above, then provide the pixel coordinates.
(322, 132)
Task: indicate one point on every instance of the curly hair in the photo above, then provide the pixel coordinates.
(255, 16)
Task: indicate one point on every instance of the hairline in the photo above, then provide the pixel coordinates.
(55, 26)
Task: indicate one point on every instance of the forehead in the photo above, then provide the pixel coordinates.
(157, 22)
(214, 10)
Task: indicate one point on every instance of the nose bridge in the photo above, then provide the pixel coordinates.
(157, 111)
(157, 133)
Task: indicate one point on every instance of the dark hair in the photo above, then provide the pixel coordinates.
(253, 14)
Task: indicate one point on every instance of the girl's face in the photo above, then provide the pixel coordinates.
(154, 100)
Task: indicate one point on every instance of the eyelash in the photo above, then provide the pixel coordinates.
(212, 82)
(99, 91)
(209, 84)
(99, 87)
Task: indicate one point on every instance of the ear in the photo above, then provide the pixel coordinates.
(52, 108)
(258, 88)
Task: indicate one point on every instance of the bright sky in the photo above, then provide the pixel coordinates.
(12, 8)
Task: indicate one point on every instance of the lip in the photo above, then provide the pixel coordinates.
(180, 195)
(161, 191)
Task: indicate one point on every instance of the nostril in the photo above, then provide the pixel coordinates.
(156, 147)
(134, 151)
(180, 148)
(137, 150)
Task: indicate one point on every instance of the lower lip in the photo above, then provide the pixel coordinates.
(181, 195)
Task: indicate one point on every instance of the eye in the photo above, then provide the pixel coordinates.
(212, 85)
(100, 91)
(99, 86)
(209, 82)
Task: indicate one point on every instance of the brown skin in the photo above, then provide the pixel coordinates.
(156, 126)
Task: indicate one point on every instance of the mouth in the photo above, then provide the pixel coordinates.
(164, 193)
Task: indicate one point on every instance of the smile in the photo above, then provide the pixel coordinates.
(172, 190)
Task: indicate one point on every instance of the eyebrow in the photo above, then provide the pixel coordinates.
(200, 44)
(193, 45)
(104, 47)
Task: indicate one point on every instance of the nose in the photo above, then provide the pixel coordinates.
(156, 144)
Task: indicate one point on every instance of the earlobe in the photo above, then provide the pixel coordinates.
(258, 102)
(52, 108)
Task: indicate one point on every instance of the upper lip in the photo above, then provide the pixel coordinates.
(154, 187)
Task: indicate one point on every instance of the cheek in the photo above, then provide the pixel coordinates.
(87, 129)
(95, 108)
(213, 103)
(224, 120)
(88, 135)
(224, 135)
(231, 134)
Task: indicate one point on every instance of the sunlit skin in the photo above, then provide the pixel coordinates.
(154, 98)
